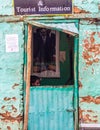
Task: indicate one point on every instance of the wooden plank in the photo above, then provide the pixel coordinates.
(28, 77)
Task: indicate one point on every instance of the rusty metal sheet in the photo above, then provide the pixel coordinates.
(65, 27)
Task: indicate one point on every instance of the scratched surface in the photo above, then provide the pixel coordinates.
(11, 79)
(89, 73)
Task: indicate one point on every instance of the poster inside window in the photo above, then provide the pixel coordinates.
(45, 52)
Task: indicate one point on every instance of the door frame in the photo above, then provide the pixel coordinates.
(28, 73)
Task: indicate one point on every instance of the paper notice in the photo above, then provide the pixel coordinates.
(12, 43)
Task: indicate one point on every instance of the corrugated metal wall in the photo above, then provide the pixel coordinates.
(48, 109)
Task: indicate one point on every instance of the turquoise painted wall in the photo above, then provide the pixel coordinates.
(87, 6)
(89, 72)
(11, 79)
(11, 66)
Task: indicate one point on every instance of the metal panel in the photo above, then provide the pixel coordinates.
(69, 28)
(51, 109)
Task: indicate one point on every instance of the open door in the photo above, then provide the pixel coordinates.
(55, 106)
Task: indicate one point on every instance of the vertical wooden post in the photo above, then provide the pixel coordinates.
(28, 77)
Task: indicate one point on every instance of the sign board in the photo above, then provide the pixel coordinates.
(29, 7)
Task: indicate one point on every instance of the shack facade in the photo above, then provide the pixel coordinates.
(15, 54)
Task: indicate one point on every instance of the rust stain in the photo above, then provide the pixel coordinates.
(80, 113)
(95, 121)
(78, 11)
(80, 84)
(86, 116)
(98, 34)
(91, 50)
(7, 98)
(14, 108)
(2, 107)
(15, 85)
(97, 100)
(92, 39)
(8, 128)
(7, 117)
(14, 98)
(90, 99)
(95, 116)
(93, 33)
(90, 111)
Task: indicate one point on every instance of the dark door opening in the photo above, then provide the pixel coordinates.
(52, 57)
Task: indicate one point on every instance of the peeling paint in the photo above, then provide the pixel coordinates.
(90, 99)
(14, 98)
(78, 10)
(89, 71)
(7, 117)
(91, 51)
(80, 84)
(15, 85)
(87, 116)
(8, 128)
(14, 108)
(2, 107)
(7, 98)
(89, 111)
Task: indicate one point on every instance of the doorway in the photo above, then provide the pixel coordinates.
(53, 104)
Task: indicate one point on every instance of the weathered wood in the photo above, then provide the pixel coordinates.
(28, 77)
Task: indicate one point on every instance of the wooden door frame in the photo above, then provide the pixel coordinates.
(28, 73)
